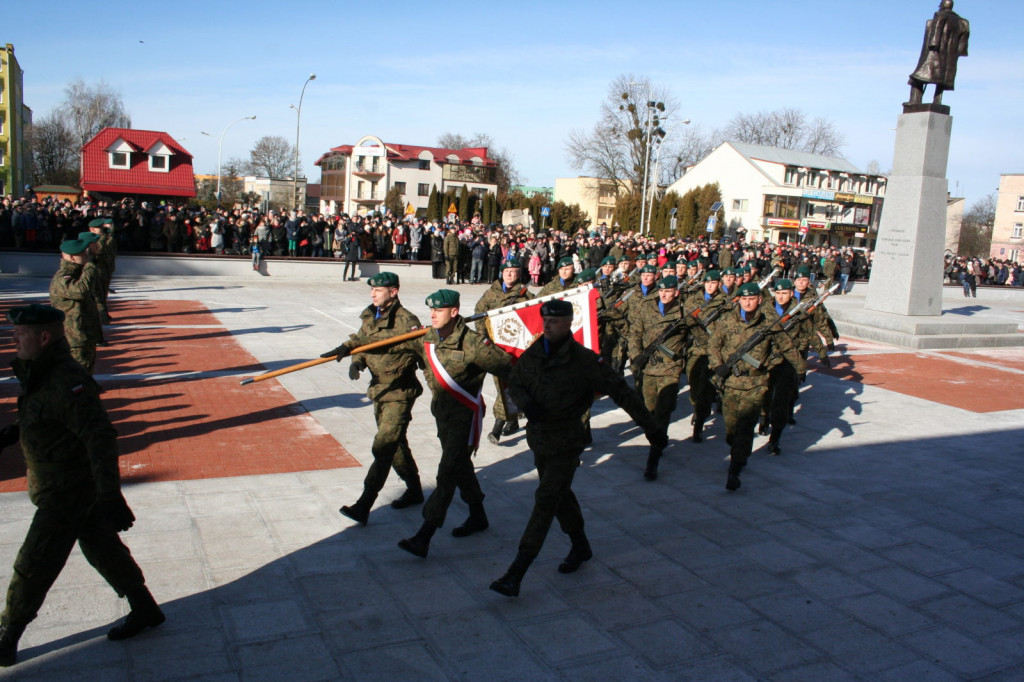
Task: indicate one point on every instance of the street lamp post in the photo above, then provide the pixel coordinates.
(298, 123)
(657, 171)
(220, 149)
(652, 123)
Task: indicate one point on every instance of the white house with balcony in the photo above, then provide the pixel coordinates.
(778, 195)
(356, 178)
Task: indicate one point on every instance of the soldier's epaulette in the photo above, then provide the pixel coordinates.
(486, 341)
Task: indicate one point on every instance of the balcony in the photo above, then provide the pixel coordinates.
(367, 171)
(367, 197)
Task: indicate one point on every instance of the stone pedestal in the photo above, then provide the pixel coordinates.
(906, 275)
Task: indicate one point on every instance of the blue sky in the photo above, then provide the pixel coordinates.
(526, 73)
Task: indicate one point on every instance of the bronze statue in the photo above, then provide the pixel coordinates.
(945, 40)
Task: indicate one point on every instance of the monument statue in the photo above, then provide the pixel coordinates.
(945, 40)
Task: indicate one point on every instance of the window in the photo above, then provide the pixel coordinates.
(119, 159)
(359, 189)
(1, 156)
(1020, 203)
(158, 162)
(400, 186)
(479, 191)
(791, 176)
(739, 204)
(1, 126)
(424, 189)
(1018, 231)
(424, 165)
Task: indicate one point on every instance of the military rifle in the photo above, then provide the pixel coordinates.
(421, 331)
(622, 299)
(784, 323)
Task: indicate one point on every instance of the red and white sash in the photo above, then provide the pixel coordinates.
(459, 393)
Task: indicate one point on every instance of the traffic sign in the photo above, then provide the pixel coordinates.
(545, 211)
(712, 221)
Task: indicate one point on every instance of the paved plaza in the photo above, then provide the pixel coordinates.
(885, 543)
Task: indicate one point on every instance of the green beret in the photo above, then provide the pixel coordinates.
(35, 313)
(98, 222)
(641, 256)
(73, 247)
(783, 285)
(556, 308)
(702, 261)
(712, 276)
(443, 298)
(652, 256)
(668, 282)
(670, 264)
(588, 275)
(691, 264)
(383, 279)
(608, 260)
(511, 263)
(624, 257)
(748, 289)
(652, 269)
(729, 271)
(565, 262)
(803, 271)
(88, 237)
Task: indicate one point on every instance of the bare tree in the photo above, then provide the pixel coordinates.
(616, 148)
(506, 175)
(976, 228)
(787, 129)
(272, 157)
(54, 160)
(88, 109)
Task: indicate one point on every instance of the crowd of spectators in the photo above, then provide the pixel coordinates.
(972, 272)
(163, 227)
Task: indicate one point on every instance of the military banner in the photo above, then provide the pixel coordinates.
(514, 328)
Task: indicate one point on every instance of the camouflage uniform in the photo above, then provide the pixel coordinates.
(105, 264)
(660, 385)
(497, 297)
(555, 391)
(70, 450)
(698, 375)
(72, 290)
(742, 396)
(393, 390)
(612, 326)
(467, 357)
(784, 385)
(558, 285)
(451, 256)
(822, 321)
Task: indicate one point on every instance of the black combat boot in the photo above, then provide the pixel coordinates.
(773, 442)
(419, 544)
(733, 481)
(495, 435)
(508, 584)
(698, 430)
(476, 522)
(511, 426)
(360, 511)
(413, 495)
(762, 425)
(9, 636)
(578, 553)
(145, 613)
(653, 457)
